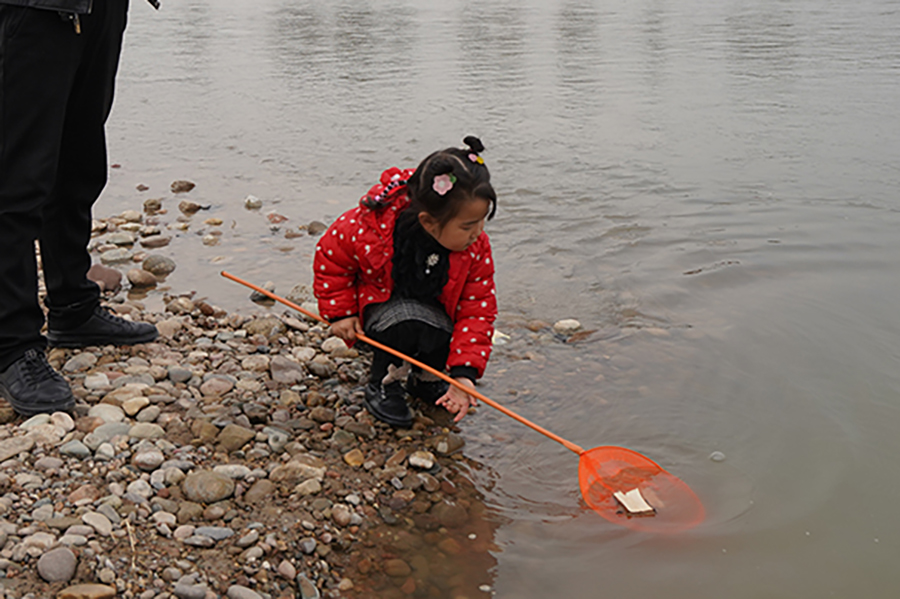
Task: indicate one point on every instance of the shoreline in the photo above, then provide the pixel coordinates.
(232, 457)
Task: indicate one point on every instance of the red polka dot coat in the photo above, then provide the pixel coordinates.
(353, 264)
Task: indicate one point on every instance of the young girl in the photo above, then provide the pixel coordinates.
(411, 267)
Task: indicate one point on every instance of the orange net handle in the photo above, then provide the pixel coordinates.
(567, 444)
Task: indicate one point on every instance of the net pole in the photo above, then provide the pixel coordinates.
(567, 444)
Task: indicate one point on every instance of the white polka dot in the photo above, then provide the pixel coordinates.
(371, 298)
(471, 297)
(383, 226)
(332, 302)
(341, 235)
(318, 248)
(459, 351)
(484, 304)
(359, 232)
(465, 329)
(325, 285)
(353, 239)
(352, 221)
(322, 267)
(482, 354)
(368, 248)
(342, 218)
(473, 340)
(333, 232)
(349, 312)
(330, 253)
(487, 261)
(468, 363)
(485, 282)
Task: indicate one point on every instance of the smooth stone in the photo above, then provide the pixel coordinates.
(146, 430)
(216, 386)
(303, 354)
(396, 568)
(277, 438)
(134, 405)
(108, 279)
(105, 433)
(235, 471)
(354, 458)
(87, 591)
(286, 371)
(309, 487)
(98, 522)
(199, 541)
(190, 591)
(717, 456)
(80, 363)
(287, 570)
(217, 533)
(252, 202)
(107, 412)
(35, 421)
(141, 488)
(57, 565)
(248, 539)
(322, 366)
(97, 380)
(121, 238)
(308, 545)
(160, 266)
(75, 449)
(423, 460)
(116, 256)
(105, 452)
(12, 447)
(177, 374)
(233, 437)
(566, 326)
(259, 491)
(239, 592)
(205, 486)
(48, 463)
(149, 414)
(449, 513)
(256, 363)
(63, 421)
(307, 589)
(154, 242)
(333, 344)
(341, 515)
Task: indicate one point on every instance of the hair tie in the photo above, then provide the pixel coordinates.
(476, 158)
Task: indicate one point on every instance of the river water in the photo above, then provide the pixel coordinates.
(711, 187)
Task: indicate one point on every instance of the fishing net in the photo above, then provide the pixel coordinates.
(605, 471)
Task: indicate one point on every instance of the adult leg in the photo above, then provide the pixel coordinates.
(82, 169)
(75, 318)
(39, 56)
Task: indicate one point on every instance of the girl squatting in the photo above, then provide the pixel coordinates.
(411, 267)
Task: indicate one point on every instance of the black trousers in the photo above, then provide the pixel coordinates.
(56, 91)
(427, 344)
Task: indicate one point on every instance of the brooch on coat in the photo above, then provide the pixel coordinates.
(430, 262)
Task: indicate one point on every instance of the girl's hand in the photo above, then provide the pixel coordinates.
(457, 401)
(347, 328)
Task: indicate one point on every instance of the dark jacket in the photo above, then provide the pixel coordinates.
(81, 7)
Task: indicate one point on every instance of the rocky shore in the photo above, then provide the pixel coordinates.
(230, 458)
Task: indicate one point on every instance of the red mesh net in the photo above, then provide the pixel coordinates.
(603, 471)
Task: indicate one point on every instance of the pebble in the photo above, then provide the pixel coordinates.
(87, 591)
(80, 362)
(161, 266)
(566, 326)
(423, 460)
(287, 570)
(98, 522)
(107, 412)
(57, 565)
(205, 486)
(190, 591)
(717, 456)
(240, 592)
(97, 380)
(13, 447)
(75, 449)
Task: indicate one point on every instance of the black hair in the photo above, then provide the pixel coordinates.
(472, 180)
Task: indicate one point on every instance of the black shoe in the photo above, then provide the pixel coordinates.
(31, 386)
(427, 391)
(103, 328)
(388, 404)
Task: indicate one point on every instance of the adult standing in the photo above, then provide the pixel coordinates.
(58, 61)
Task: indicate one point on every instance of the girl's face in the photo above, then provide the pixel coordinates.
(463, 229)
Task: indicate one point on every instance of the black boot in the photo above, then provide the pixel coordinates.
(31, 386)
(387, 401)
(388, 404)
(101, 328)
